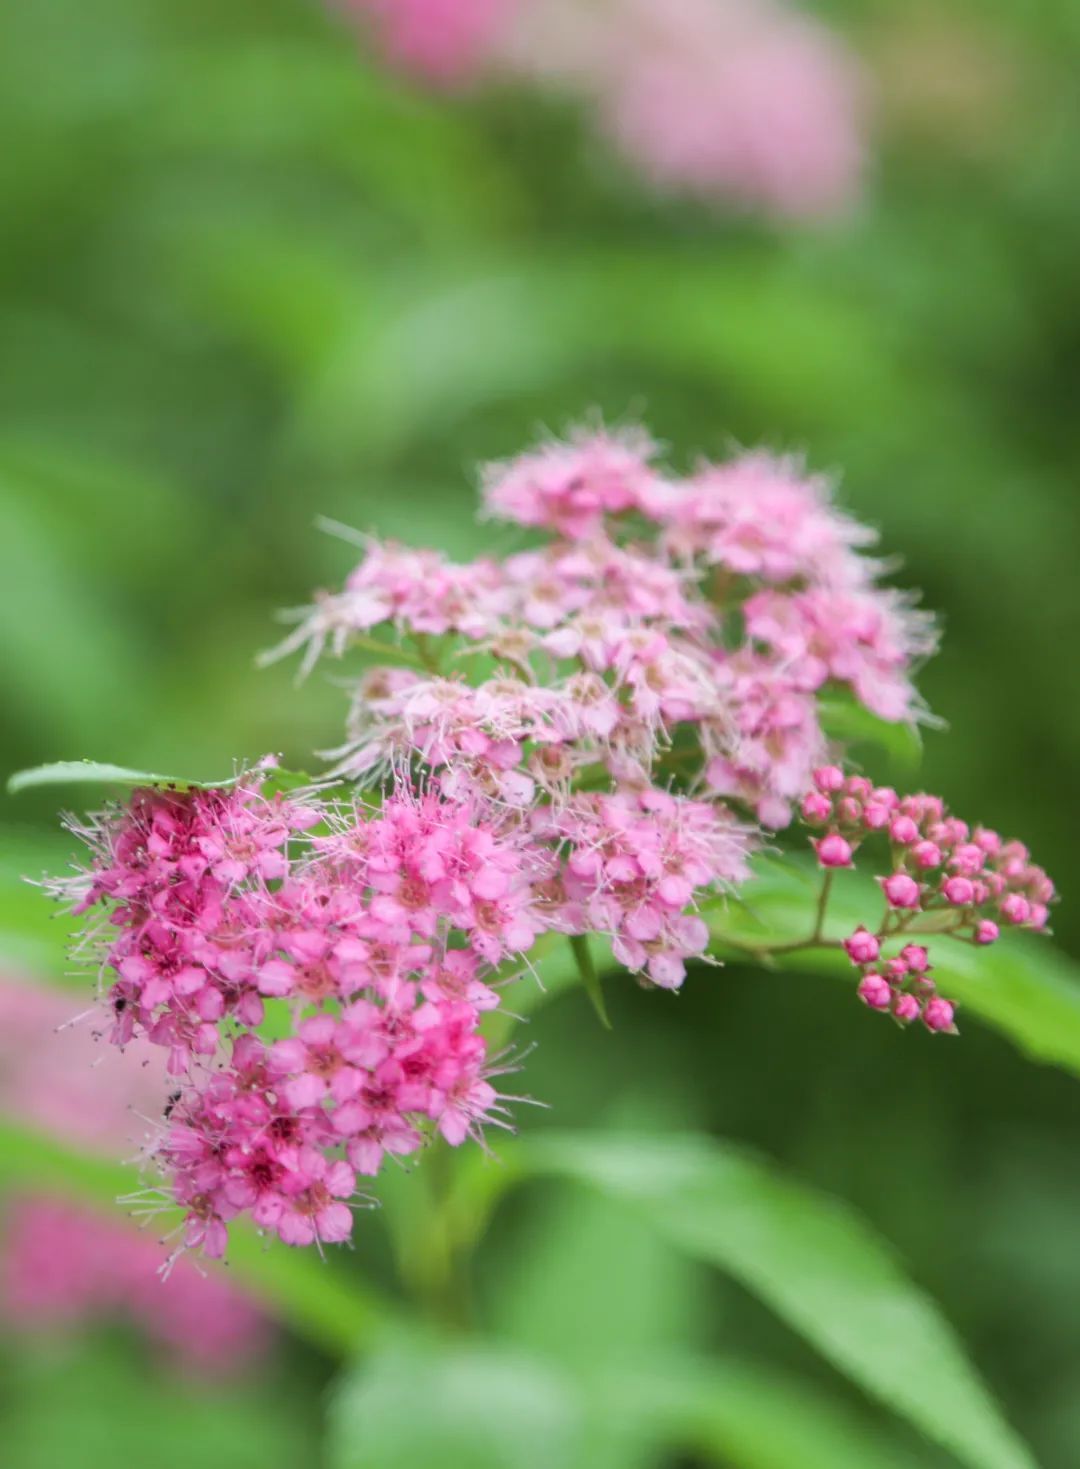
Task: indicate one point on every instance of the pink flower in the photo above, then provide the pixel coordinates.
(763, 516)
(958, 890)
(901, 891)
(571, 487)
(915, 958)
(862, 947)
(63, 1264)
(311, 1209)
(1016, 908)
(875, 992)
(597, 732)
(903, 831)
(938, 1015)
(443, 41)
(833, 851)
(740, 100)
(905, 1008)
(635, 866)
(816, 808)
(866, 637)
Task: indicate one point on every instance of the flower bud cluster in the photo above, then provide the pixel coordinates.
(943, 878)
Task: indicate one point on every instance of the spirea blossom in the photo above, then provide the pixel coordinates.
(63, 1264)
(443, 41)
(749, 102)
(745, 100)
(592, 735)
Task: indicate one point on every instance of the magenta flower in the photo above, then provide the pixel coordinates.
(590, 737)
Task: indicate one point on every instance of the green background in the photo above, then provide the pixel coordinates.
(247, 278)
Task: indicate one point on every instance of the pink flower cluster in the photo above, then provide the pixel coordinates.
(743, 101)
(636, 861)
(584, 737)
(443, 41)
(62, 1264)
(376, 927)
(670, 626)
(943, 878)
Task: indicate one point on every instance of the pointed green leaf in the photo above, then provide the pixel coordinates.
(458, 1405)
(735, 1413)
(590, 979)
(853, 724)
(95, 772)
(810, 1258)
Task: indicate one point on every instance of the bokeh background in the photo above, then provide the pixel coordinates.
(249, 274)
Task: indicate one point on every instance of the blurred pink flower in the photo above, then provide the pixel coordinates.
(63, 1264)
(739, 99)
(55, 1076)
(443, 41)
(744, 101)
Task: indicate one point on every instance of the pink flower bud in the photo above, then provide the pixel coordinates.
(886, 796)
(988, 840)
(833, 851)
(967, 859)
(916, 958)
(901, 891)
(816, 807)
(986, 932)
(1016, 908)
(896, 969)
(862, 947)
(926, 854)
(903, 831)
(859, 787)
(875, 992)
(1040, 914)
(875, 816)
(849, 810)
(938, 1015)
(829, 779)
(958, 891)
(906, 1008)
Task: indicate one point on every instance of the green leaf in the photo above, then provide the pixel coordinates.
(750, 1416)
(125, 1404)
(318, 1300)
(1022, 986)
(590, 979)
(95, 772)
(457, 1405)
(812, 1260)
(852, 723)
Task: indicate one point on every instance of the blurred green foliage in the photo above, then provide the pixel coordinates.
(247, 278)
